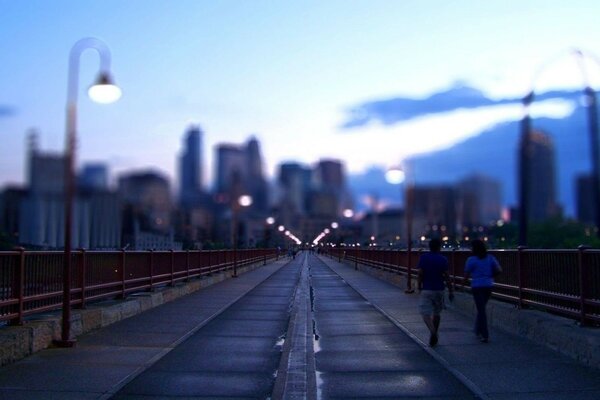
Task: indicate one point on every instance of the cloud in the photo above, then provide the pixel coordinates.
(7, 111)
(459, 97)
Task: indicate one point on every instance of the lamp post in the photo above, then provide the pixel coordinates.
(269, 221)
(525, 148)
(242, 201)
(397, 175)
(103, 91)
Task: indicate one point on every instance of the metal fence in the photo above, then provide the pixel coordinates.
(564, 282)
(32, 281)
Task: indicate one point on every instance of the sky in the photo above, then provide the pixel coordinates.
(287, 72)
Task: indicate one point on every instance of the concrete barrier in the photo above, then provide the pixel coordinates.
(39, 331)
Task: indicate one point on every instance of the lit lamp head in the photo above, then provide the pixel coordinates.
(104, 90)
(395, 175)
(245, 200)
(270, 220)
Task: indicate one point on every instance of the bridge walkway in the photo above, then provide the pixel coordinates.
(303, 328)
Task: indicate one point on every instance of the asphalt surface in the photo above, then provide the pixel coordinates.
(307, 328)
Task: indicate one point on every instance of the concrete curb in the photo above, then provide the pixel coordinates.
(557, 333)
(39, 331)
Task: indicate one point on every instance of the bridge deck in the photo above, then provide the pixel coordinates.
(371, 343)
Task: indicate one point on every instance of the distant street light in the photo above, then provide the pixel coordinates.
(103, 91)
(395, 176)
(525, 147)
(242, 201)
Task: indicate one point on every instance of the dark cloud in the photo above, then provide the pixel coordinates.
(7, 111)
(391, 111)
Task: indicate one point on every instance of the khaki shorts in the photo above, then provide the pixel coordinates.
(431, 302)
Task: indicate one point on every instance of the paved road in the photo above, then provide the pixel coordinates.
(308, 328)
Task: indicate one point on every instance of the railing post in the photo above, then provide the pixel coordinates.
(453, 270)
(582, 283)
(409, 288)
(172, 267)
(151, 267)
(82, 272)
(18, 287)
(520, 251)
(122, 273)
(264, 257)
(187, 265)
(356, 259)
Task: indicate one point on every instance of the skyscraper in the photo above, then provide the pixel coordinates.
(146, 196)
(94, 176)
(96, 219)
(542, 191)
(256, 183)
(239, 171)
(231, 169)
(585, 199)
(294, 180)
(479, 200)
(190, 167)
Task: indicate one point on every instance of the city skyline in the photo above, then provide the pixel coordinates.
(288, 74)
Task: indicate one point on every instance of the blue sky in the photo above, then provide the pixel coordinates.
(287, 72)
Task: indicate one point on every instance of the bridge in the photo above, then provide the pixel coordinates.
(314, 327)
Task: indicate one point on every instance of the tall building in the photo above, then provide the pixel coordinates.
(94, 176)
(96, 212)
(239, 170)
(256, 183)
(585, 199)
(434, 210)
(294, 181)
(479, 200)
(190, 167)
(147, 200)
(542, 178)
(330, 195)
(230, 168)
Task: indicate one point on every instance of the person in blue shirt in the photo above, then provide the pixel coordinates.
(481, 268)
(432, 279)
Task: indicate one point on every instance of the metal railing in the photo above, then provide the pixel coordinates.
(32, 281)
(564, 282)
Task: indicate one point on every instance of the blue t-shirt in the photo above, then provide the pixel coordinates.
(433, 266)
(482, 270)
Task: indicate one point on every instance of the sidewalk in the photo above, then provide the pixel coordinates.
(105, 360)
(509, 367)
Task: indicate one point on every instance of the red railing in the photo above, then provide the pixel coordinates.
(32, 281)
(564, 282)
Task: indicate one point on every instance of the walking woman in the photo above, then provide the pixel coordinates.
(481, 267)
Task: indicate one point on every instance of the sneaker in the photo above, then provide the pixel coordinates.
(484, 340)
(433, 339)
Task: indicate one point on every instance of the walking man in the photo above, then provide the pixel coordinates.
(433, 276)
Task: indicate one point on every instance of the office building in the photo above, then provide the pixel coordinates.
(190, 168)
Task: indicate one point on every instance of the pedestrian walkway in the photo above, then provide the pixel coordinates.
(509, 367)
(105, 360)
(364, 340)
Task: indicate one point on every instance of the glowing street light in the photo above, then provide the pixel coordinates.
(103, 91)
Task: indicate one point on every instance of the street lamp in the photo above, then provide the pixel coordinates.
(103, 91)
(525, 147)
(242, 201)
(395, 176)
(269, 221)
